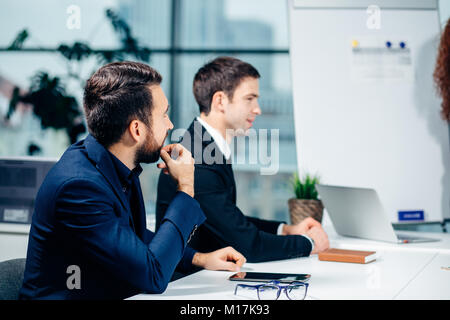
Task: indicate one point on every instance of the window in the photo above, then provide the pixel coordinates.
(182, 35)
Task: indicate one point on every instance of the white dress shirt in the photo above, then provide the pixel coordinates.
(220, 141)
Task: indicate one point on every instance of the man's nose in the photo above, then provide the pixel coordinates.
(170, 125)
(257, 110)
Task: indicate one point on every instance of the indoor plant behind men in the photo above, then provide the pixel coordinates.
(227, 91)
(90, 217)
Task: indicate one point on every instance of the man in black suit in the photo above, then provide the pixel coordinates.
(227, 92)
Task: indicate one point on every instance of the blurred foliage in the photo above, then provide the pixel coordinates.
(19, 40)
(64, 112)
(51, 104)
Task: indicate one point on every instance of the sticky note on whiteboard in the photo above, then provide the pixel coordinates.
(415, 215)
(381, 58)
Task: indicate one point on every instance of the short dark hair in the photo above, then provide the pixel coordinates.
(221, 74)
(116, 94)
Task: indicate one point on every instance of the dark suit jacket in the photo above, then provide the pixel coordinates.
(82, 218)
(225, 225)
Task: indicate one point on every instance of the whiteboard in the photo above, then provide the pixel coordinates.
(367, 115)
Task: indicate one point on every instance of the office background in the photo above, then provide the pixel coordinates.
(181, 36)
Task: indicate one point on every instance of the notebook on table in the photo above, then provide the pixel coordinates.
(343, 255)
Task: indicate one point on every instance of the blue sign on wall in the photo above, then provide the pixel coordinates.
(417, 215)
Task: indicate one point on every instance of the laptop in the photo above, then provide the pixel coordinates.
(20, 180)
(357, 212)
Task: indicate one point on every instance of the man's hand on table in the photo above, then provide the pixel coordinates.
(226, 259)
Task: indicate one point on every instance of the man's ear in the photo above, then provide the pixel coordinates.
(136, 130)
(219, 101)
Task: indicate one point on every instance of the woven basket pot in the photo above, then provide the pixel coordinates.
(300, 209)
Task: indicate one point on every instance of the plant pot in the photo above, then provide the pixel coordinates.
(300, 209)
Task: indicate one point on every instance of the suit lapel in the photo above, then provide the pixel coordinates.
(199, 138)
(229, 171)
(140, 224)
(103, 163)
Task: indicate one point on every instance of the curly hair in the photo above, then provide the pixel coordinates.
(442, 72)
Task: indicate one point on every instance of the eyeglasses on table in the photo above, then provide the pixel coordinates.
(272, 290)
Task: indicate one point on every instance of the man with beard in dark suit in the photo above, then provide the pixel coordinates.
(88, 237)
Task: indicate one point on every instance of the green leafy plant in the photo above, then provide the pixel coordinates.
(305, 188)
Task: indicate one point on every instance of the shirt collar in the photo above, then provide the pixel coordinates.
(125, 174)
(218, 138)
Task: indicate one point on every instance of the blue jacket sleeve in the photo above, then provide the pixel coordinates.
(185, 264)
(85, 214)
(230, 227)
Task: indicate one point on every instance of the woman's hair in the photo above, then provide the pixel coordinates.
(442, 72)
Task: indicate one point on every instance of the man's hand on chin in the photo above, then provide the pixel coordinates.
(226, 259)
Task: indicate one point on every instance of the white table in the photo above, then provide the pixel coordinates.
(406, 271)
(401, 271)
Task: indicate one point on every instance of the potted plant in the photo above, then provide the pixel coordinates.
(306, 202)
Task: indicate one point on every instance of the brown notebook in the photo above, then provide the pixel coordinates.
(352, 256)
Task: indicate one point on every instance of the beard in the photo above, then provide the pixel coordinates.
(149, 152)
